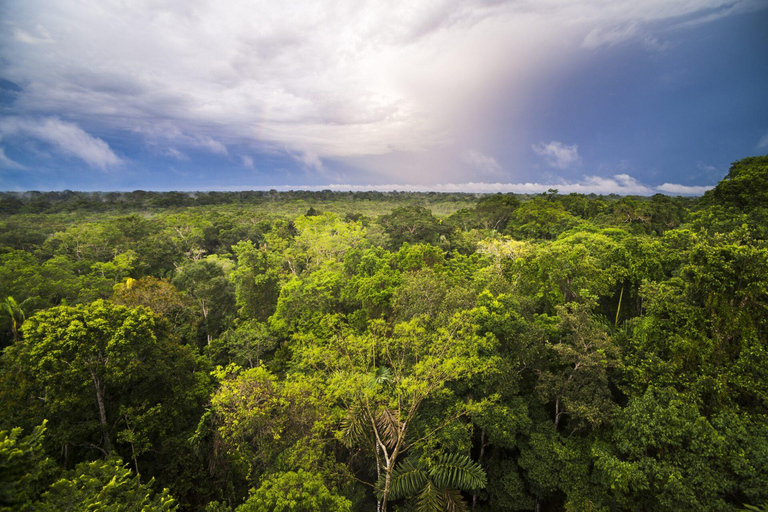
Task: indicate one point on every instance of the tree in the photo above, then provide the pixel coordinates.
(110, 377)
(103, 485)
(437, 485)
(244, 346)
(412, 224)
(383, 381)
(577, 383)
(257, 282)
(745, 187)
(24, 468)
(540, 218)
(206, 283)
(294, 491)
(10, 308)
(163, 298)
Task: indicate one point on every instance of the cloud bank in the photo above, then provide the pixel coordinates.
(621, 184)
(345, 81)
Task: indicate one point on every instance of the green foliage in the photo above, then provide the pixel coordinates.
(540, 218)
(24, 467)
(103, 485)
(412, 224)
(256, 281)
(294, 491)
(205, 282)
(345, 351)
(745, 186)
(436, 486)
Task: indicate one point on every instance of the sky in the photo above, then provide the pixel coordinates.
(604, 96)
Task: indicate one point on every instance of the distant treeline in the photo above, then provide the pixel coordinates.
(71, 201)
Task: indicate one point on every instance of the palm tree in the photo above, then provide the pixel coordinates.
(438, 487)
(10, 308)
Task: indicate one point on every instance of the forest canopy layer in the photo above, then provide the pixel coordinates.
(321, 351)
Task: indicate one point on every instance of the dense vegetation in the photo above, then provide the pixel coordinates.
(266, 351)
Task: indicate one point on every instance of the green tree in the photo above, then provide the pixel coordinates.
(383, 381)
(25, 470)
(207, 285)
(109, 375)
(745, 187)
(103, 485)
(412, 224)
(256, 280)
(437, 486)
(13, 310)
(294, 491)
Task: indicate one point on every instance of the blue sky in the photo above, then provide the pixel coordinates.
(602, 96)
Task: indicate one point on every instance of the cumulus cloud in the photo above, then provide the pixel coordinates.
(557, 154)
(248, 163)
(66, 138)
(763, 143)
(683, 190)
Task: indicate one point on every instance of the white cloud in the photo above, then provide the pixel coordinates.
(248, 163)
(683, 190)
(557, 154)
(328, 80)
(613, 36)
(7, 163)
(175, 153)
(481, 162)
(762, 143)
(67, 138)
(27, 38)
(600, 36)
(621, 184)
(310, 160)
(212, 145)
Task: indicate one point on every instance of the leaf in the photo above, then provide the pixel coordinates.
(353, 427)
(458, 471)
(431, 499)
(388, 426)
(407, 479)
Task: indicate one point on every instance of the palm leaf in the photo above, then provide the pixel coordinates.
(453, 500)
(388, 426)
(407, 479)
(431, 499)
(354, 427)
(458, 472)
(383, 375)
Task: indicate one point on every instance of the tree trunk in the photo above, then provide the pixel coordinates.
(479, 461)
(102, 412)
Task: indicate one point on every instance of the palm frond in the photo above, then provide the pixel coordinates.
(407, 479)
(431, 499)
(458, 472)
(388, 426)
(383, 375)
(752, 508)
(354, 427)
(454, 501)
